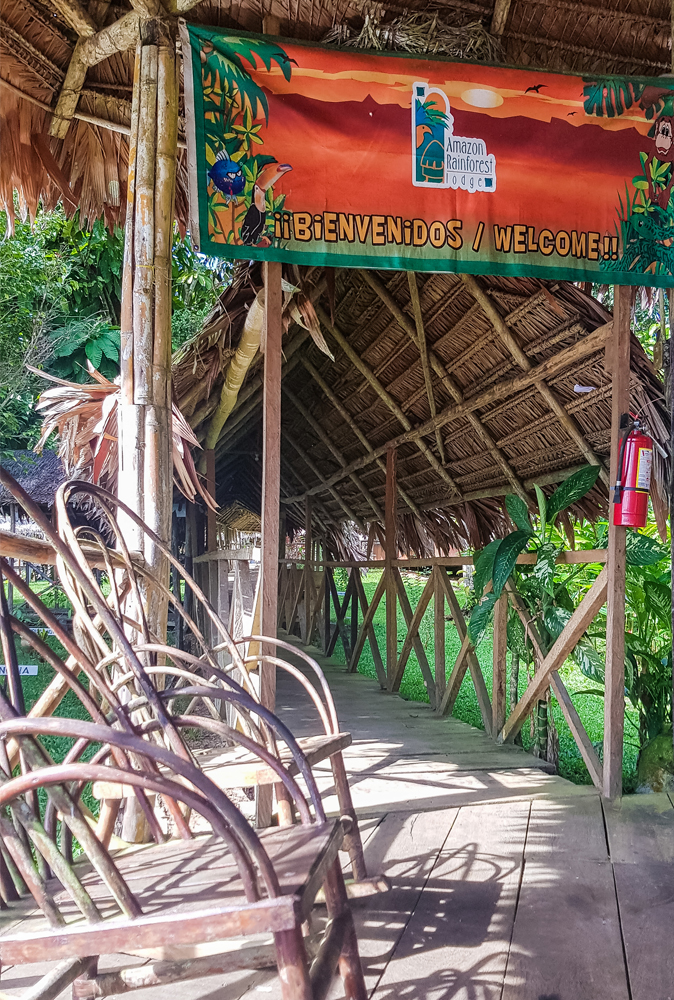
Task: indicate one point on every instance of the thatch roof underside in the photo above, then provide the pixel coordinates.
(39, 475)
(452, 482)
(88, 166)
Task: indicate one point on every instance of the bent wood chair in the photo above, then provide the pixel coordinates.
(183, 898)
(124, 662)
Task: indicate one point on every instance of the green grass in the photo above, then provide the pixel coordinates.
(589, 707)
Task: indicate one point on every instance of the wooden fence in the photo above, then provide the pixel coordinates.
(310, 604)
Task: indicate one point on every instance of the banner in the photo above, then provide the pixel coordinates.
(380, 160)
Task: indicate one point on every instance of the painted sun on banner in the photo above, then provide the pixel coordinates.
(324, 156)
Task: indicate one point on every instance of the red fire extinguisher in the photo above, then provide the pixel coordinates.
(635, 463)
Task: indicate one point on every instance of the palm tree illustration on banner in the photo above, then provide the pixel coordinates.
(430, 131)
(645, 227)
(240, 177)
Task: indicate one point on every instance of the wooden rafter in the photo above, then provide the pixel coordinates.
(92, 47)
(446, 379)
(308, 461)
(499, 17)
(423, 354)
(332, 448)
(505, 333)
(47, 72)
(77, 16)
(560, 361)
(346, 416)
(386, 397)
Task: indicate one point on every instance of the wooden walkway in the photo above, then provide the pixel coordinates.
(509, 883)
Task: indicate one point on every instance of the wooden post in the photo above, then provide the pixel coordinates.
(498, 693)
(391, 539)
(439, 637)
(614, 683)
(211, 525)
(271, 493)
(308, 570)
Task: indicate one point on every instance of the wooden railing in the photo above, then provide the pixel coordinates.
(310, 604)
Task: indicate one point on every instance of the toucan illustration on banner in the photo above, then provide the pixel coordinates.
(254, 221)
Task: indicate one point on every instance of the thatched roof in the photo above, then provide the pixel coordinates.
(87, 167)
(499, 432)
(39, 475)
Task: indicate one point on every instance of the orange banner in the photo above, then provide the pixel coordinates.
(356, 159)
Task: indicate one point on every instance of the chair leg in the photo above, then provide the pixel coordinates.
(352, 842)
(350, 968)
(293, 970)
(83, 988)
(284, 803)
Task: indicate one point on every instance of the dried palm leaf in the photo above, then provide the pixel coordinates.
(84, 415)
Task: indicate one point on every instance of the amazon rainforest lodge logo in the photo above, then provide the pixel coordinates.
(441, 159)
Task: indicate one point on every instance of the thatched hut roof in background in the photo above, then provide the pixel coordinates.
(88, 166)
(332, 414)
(39, 475)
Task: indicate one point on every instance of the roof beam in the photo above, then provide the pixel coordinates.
(346, 416)
(365, 370)
(423, 354)
(590, 344)
(505, 333)
(499, 17)
(92, 47)
(316, 427)
(350, 513)
(448, 382)
(77, 16)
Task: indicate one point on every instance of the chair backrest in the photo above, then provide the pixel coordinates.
(29, 829)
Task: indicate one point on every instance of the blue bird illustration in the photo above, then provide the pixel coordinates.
(227, 176)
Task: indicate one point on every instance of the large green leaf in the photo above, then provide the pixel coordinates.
(589, 661)
(572, 489)
(517, 639)
(480, 618)
(484, 564)
(544, 570)
(554, 619)
(542, 508)
(659, 601)
(610, 96)
(644, 551)
(519, 512)
(506, 557)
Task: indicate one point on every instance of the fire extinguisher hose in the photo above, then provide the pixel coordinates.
(618, 489)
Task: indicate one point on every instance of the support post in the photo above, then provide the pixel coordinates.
(308, 570)
(439, 637)
(145, 441)
(498, 693)
(391, 539)
(271, 494)
(211, 525)
(614, 686)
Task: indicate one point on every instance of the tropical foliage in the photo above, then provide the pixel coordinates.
(235, 108)
(60, 297)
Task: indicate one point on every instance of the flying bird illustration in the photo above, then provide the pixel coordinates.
(254, 221)
(536, 88)
(571, 113)
(227, 176)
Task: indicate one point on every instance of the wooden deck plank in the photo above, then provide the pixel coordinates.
(646, 901)
(573, 824)
(456, 942)
(566, 941)
(641, 829)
